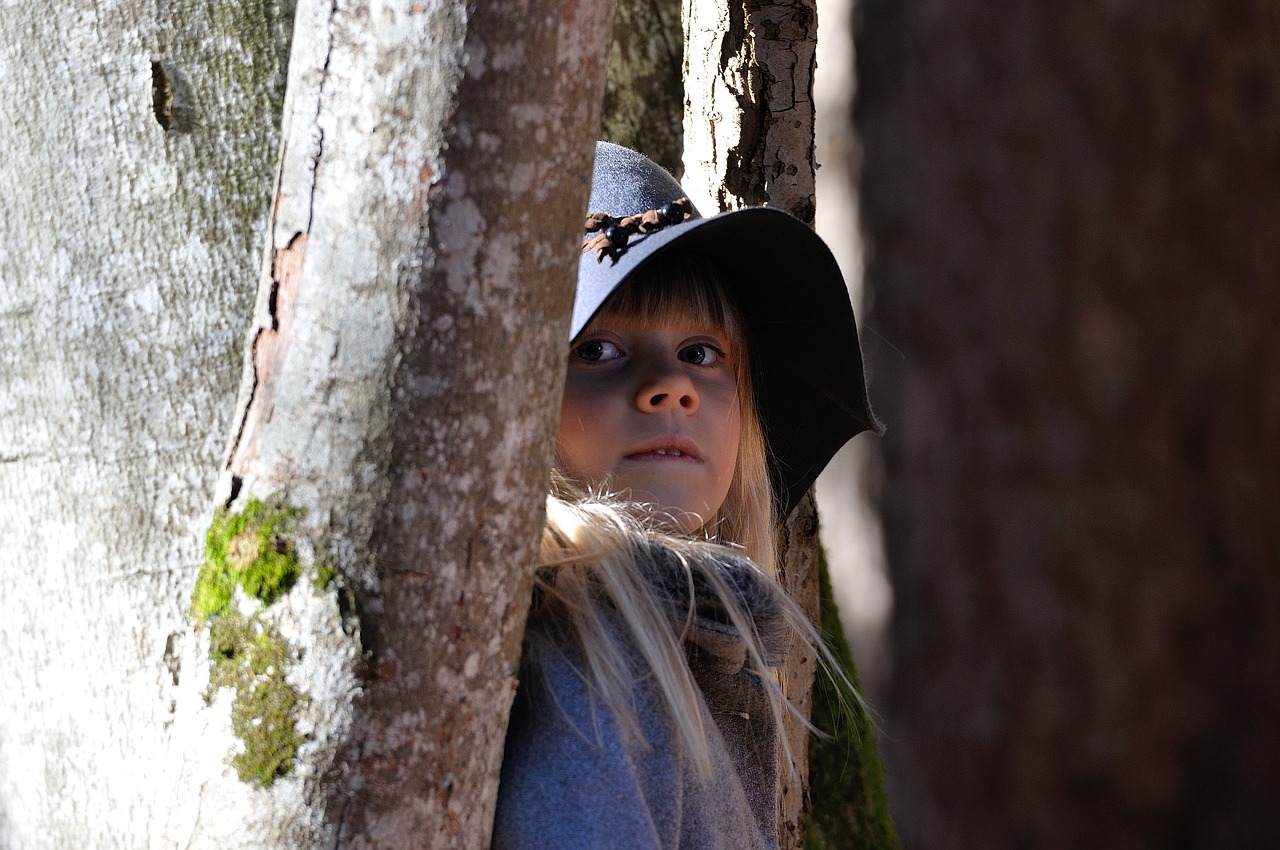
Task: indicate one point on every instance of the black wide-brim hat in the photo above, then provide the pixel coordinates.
(802, 336)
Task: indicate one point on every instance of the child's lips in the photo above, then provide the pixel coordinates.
(673, 448)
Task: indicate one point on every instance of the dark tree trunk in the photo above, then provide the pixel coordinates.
(1073, 240)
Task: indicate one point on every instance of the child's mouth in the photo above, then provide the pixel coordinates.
(662, 454)
(666, 451)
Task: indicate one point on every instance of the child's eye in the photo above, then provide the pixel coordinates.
(700, 354)
(597, 351)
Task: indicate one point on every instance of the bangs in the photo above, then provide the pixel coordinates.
(676, 286)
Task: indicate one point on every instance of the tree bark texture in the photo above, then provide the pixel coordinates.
(799, 553)
(644, 90)
(401, 383)
(1073, 240)
(137, 149)
(746, 64)
(749, 133)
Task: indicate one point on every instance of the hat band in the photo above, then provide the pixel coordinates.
(612, 234)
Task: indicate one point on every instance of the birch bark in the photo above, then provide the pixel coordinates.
(749, 135)
(749, 141)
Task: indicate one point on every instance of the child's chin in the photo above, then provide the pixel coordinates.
(681, 522)
(670, 514)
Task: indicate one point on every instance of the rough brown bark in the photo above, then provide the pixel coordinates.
(1073, 238)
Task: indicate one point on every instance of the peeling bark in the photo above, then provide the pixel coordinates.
(749, 137)
(267, 352)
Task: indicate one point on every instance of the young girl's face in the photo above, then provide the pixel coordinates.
(651, 412)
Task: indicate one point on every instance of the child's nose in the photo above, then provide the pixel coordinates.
(667, 388)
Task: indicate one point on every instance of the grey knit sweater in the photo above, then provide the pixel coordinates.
(571, 780)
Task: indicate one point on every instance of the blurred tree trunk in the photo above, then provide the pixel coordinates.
(1073, 229)
(749, 141)
(359, 611)
(644, 89)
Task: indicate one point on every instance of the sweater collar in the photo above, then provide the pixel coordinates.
(706, 625)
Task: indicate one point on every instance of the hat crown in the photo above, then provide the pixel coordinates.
(628, 183)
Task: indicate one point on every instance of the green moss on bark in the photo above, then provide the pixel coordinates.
(251, 551)
(250, 658)
(846, 781)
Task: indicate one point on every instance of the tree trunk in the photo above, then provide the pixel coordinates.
(798, 571)
(749, 133)
(1073, 230)
(397, 422)
(846, 779)
(738, 154)
(135, 176)
(644, 92)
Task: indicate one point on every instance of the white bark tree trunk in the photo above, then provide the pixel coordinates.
(127, 265)
(395, 420)
(400, 391)
(749, 133)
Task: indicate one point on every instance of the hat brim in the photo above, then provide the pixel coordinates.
(803, 339)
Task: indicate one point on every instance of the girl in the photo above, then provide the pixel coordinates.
(713, 371)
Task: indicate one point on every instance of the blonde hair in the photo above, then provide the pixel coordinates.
(594, 588)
